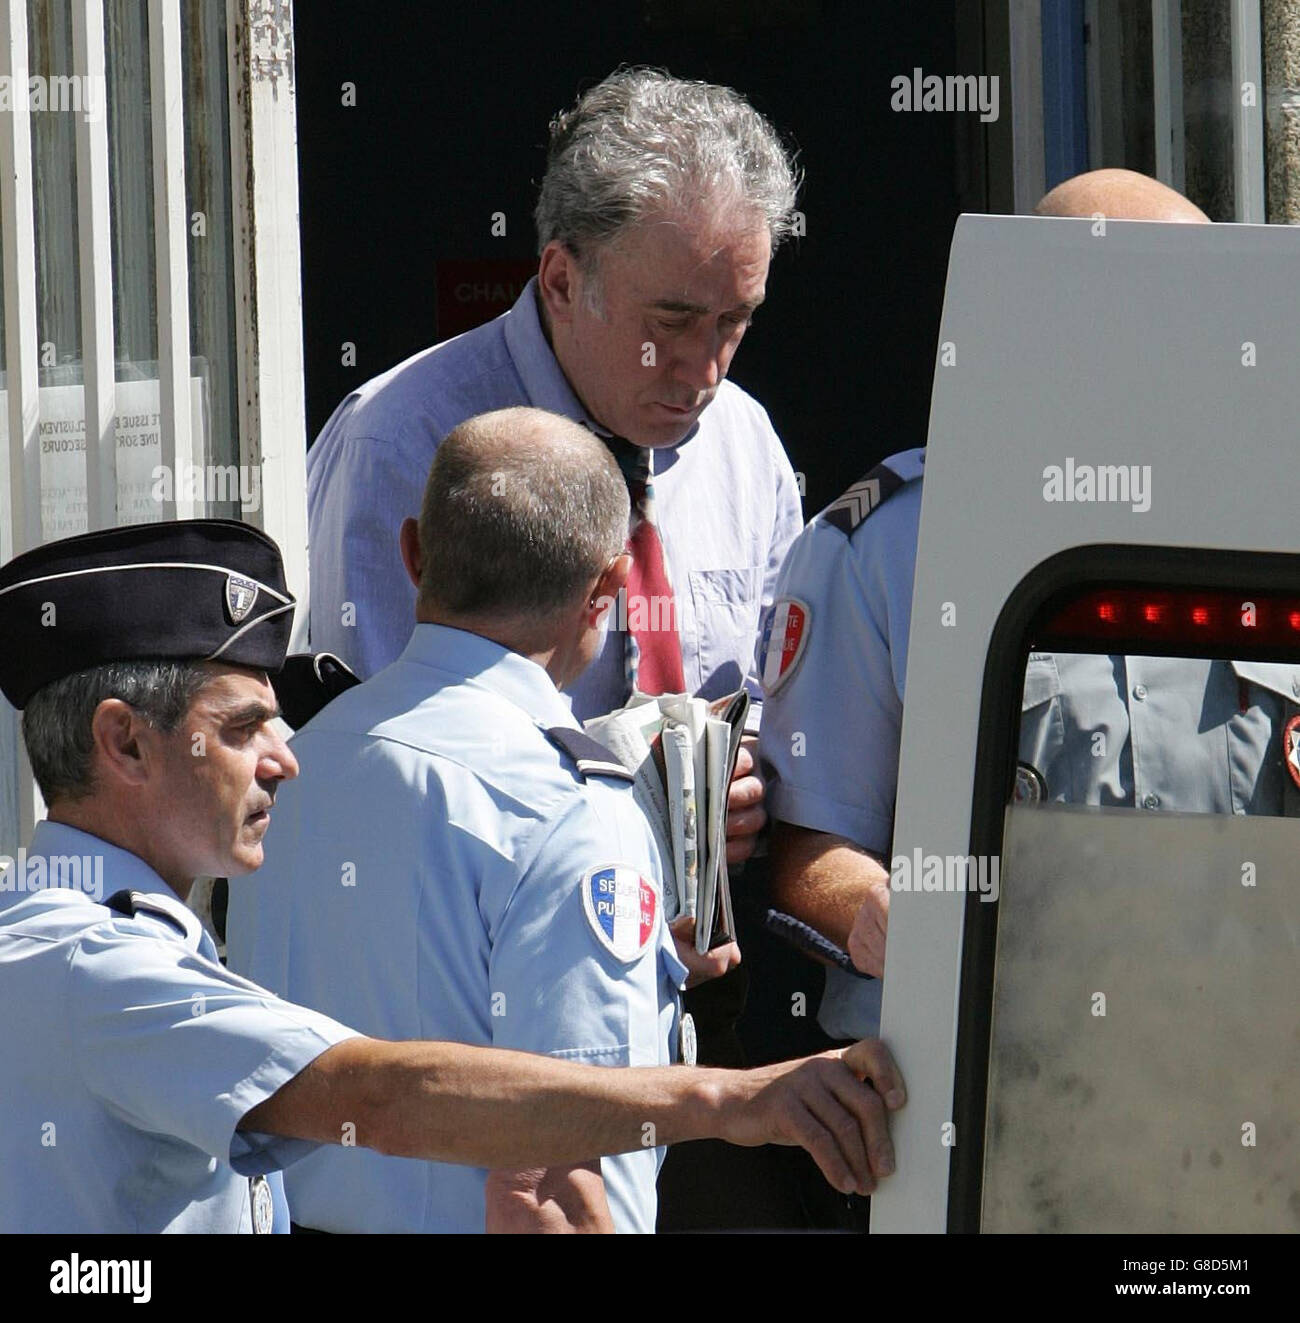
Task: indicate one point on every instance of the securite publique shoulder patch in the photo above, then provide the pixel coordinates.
(784, 638)
(622, 908)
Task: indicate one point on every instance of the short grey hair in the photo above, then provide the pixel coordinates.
(642, 143)
(522, 510)
(57, 718)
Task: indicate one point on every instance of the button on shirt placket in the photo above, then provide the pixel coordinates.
(1139, 710)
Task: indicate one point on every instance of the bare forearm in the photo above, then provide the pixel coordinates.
(506, 1109)
(487, 1108)
(821, 879)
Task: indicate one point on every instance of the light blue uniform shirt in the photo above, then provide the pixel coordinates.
(130, 1056)
(425, 878)
(831, 726)
(726, 502)
(1175, 736)
(1185, 735)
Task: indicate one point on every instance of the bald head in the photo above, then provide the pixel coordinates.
(522, 511)
(519, 440)
(1119, 195)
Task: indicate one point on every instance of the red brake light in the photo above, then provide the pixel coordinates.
(1227, 619)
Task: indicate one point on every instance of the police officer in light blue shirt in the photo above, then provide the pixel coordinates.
(458, 859)
(131, 1056)
(144, 1087)
(833, 662)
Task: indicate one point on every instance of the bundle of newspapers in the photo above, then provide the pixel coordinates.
(682, 753)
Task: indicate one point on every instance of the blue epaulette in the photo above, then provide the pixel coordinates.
(129, 903)
(592, 757)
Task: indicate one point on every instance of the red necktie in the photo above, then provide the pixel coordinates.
(654, 653)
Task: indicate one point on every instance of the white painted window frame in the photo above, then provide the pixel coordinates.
(268, 283)
(268, 296)
(1167, 92)
(1247, 120)
(1028, 163)
(1248, 164)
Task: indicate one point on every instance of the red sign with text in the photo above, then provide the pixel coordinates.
(472, 291)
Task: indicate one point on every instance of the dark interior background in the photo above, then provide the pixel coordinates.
(449, 126)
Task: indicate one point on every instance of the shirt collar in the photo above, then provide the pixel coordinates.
(534, 360)
(475, 660)
(123, 871)
(1281, 678)
(127, 870)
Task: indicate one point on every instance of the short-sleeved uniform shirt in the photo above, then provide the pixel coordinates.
(832, 718)
(727, 507)
(442, 869)
(130, 1055)
(1179, 735)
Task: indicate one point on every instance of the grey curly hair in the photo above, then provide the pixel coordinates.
(643, 143)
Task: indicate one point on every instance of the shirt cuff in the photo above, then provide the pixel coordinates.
(804, 808)
(253, 1153)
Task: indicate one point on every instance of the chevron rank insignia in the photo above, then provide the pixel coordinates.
(869, 492)
(784, 637)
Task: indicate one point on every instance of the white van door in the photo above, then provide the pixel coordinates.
(1098, 1015)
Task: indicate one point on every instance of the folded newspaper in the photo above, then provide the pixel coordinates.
(682, 752)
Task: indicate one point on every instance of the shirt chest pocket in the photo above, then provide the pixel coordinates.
(1042, 728)
(1042, 680)
(726, 605)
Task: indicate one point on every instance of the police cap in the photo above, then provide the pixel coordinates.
(188, 590)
